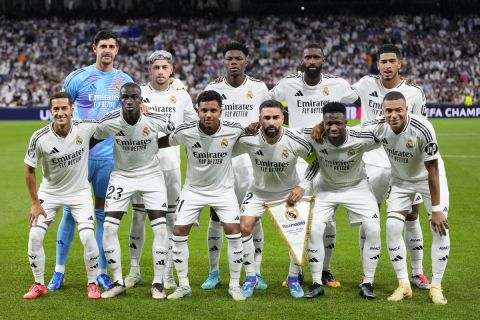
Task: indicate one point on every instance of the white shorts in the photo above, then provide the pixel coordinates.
(151, 188)
(401, 195)
(80, 204)
(252, 204)
(191, 202)
(173, 183)
(359, 201)
(243, 179)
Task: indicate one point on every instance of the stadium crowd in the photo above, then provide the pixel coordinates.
(442, 55)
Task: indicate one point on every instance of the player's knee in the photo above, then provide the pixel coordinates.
(36, 236)
(99, 203)
(413, 215)
(231, 228)
(371, 229)
(246, 229)
(85, 233)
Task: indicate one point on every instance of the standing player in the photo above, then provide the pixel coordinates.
(273, 152)
(135, 173)
(63, 149)
(161, 98)
(306, 94)
(94, 89)
(371, 90)
(209, 144)
(241, 96)
(410, 143)
(343, 181)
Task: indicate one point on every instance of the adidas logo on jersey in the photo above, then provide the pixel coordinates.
(384, 141)
(54, 150)
(259, 153)
(324, 151)
(92, 87)
(298, 94)
(196, 145)
(146, 100)
(374, 94)
(224, 97)
(120, 134)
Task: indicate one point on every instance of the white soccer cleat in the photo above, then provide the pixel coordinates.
(436, 294)
(236, 294)
(114, 290)
(157, 291)
(403, 292)
(169, 283)
(132, 279)
(180, 292)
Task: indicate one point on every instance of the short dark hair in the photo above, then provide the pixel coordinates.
(313, 45)
(209, 95)
(389, 48)
(235, 46)
(105, 35)
(132, 85)
(61, 95)
(334, 107)
(271, 104)
(394, 95)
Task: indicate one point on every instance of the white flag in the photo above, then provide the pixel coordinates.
(293, 223)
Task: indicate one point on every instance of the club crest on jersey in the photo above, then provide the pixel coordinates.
(78, 140)
(250, 94)
(242, 208)
(350, 152)
(173, 99)
(410, 143)
(117, 85)
(146, 131)
(224, 143)
(285, 153)
(291, 214)
(326, 91)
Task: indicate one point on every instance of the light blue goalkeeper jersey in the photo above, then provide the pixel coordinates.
(95, 93)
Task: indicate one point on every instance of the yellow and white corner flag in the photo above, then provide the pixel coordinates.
(293, 223)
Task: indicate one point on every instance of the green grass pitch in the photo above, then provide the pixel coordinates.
(459, 141)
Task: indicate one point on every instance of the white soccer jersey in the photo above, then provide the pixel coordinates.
(209, 165)
(305, 103)
(371, 92)
(274, 165)
(408, 150)
(135, 146)
(64, 160)
(343, 166)
(177, 104)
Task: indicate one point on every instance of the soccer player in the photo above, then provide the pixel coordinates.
(305, 95)
(343, 181)
(241, 96)
(411, 146)
(273, 152)
(371, 90)
(62, 147)
(160, 96)
(135, 173)
(94, 90)
(209, 143)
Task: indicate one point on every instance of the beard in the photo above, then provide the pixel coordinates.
(271, 131)
(312, 73)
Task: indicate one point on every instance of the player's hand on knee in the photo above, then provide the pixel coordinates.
(35, 211)
(252, 128)
(439, 223)
(317, 132)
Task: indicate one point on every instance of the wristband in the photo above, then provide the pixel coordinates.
(437, 208)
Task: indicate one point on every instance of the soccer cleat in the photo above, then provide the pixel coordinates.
(315, 290)
(420, 281)
(436, 294)
(104, 281)
(57, 281)
(300, 279)
(169, 283)
(157, 291)
(236, 293)
(132, 279)
(212, 281)
(180, 292)
(35, 291)
(261, 284)
(329, 280)
(403, 292)
(295, 288)
(248, 286)
(114, 290)
(93, 291)
(366, 291)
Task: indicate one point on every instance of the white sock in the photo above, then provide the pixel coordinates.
(36, 254)
(60, 268)
(258, 243)
(293, 268)
(316, 251)
(248, 255)
(371, 250)
(90, 253)
(214, 242)
(159, 248)
(396, 246)
(169, 264)
(329, 238)
(361, 240)
(111, 248)
(137, 238)
(180, 258)
(440, 252)
(414, 242)
(235, 258)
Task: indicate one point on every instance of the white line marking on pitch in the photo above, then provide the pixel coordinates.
(459, 156)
